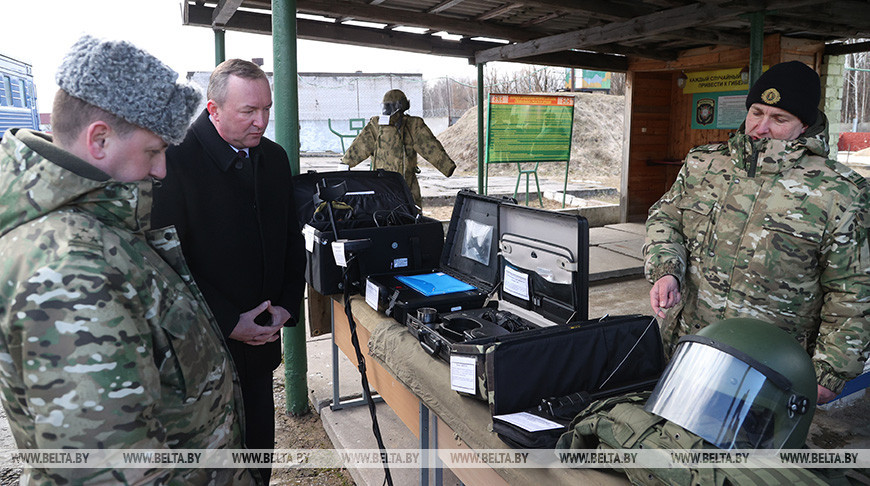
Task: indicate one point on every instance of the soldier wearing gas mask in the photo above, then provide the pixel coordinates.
(393, 141)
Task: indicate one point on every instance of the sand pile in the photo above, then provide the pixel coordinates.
(596, 146)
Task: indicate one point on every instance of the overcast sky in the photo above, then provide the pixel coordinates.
(40, 32)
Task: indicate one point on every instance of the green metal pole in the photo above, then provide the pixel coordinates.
(286, 107)
(756, 45)
(480, 147)
(220, 46)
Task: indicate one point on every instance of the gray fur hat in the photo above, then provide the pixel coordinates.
(131, 84)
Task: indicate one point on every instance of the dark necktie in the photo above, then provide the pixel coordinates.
(245, 168)
(240, 159)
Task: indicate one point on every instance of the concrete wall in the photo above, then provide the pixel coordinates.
(339, 97)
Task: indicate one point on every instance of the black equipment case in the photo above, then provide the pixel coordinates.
(475, 222)
(554, 372)
(546, 280)
(379, 207)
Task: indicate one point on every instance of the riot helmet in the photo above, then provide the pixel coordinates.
(395, 101)
(739, 384)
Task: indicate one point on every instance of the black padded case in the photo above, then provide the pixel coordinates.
(383, 211)
(592, 360)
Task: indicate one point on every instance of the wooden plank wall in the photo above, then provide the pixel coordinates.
(648, 140)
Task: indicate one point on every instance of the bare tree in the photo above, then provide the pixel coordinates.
(617, 84)
(856, 82)
(452, 97)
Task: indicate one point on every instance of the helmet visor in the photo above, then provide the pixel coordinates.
(723, 399)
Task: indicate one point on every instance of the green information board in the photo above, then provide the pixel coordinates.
(529, 128)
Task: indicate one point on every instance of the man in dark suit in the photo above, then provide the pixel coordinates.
(229, 193)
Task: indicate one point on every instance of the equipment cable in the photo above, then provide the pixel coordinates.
(361, 364)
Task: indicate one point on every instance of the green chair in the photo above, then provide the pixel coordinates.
(528, 172)
(355, 124)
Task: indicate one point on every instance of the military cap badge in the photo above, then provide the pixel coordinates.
(770, 96)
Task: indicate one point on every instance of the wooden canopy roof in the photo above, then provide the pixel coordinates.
(592, 34)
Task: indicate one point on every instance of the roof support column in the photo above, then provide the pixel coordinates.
(756, 45)
(480, 147)
(286, 104)
(220, 46)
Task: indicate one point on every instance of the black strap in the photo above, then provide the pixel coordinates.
(416, 252)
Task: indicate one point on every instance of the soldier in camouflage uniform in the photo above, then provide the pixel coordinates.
(105, 341)
(393, 141)
(765, 226)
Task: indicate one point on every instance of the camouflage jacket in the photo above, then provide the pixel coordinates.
(104, 344)
(769, 229)
(397, 152)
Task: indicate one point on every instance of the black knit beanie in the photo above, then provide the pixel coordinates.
(792, 86)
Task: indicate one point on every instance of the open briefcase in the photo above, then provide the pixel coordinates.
(374, 205)
(469, 259)
(495, 245)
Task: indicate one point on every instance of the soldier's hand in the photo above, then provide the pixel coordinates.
(664, 294)
(249, 332)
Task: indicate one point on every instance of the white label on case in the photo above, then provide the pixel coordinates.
(308, 233)
(400, 263)
(463, 374)
(338, 253)
(457, 308)
(372, 294)
(527, 421)
(516, 283)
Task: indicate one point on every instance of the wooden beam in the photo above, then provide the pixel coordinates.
(542, 19)
(793, 23)
(595, 8)
(242, 21)
(840, 49)
(446, 4)
(502, 9)
(412, 19)
(577, 59)
(258, 23)
(656, 23)
(388, 39)
(716, 37)
(224, 11)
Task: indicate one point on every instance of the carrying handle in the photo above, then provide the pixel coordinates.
(425, 344)
(329, 193)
